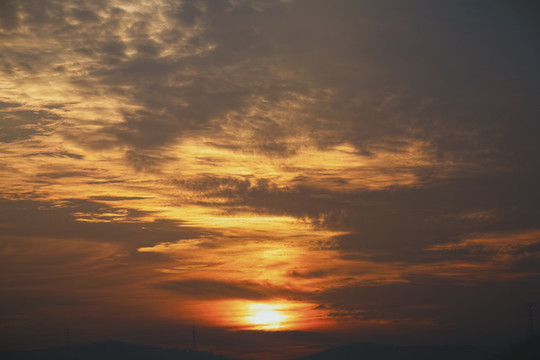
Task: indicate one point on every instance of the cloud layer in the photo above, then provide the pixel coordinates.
(373, 166)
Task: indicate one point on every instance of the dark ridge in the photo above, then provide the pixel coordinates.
(525, 350)
(111, 350)
(370, 351)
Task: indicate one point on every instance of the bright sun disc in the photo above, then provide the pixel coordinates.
(265, 316)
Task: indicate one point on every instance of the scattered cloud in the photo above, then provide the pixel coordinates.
(365, 163)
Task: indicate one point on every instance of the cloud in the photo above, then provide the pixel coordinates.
(376, 113)
(219, 69)
(4, 104)
(379, 160)
(59, 175)
(23, 124)
(311, 274)
(9, 18)
(74, 218)
(59, 154)
(515, 252)
(116, 198)
(216, 290)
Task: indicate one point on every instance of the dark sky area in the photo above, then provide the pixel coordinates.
(286, 175)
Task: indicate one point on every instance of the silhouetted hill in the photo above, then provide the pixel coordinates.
(369, 351)
(111, 350)
(526, 350)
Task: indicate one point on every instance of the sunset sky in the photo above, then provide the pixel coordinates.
(286, 175)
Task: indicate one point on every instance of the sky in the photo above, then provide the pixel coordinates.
(284, 175)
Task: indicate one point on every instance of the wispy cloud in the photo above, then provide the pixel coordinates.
(345, 158)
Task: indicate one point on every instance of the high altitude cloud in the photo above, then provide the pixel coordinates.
(372, 165)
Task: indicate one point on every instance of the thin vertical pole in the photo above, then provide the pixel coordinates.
(193, 341)
(530, 326)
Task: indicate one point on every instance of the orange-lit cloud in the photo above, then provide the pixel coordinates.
(285, 170)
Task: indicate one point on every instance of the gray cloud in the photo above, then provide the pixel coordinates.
(457, 79)
(23, 124)
(65, 174)
(57, 154)
(4, 104)
(391, 73)
(214, 290)
(445, 304)
(51, 220)
(410, 219)
(316, 274)
(406, 84)
(9, 17)
(117, 198)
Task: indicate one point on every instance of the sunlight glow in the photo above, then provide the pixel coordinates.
(265, 316)
(269, 315)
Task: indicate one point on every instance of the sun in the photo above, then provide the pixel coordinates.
(265, 316)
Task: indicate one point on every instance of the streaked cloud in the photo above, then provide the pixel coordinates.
(363, 165)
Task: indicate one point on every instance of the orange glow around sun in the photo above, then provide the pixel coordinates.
(277, 315)
(265, 316)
